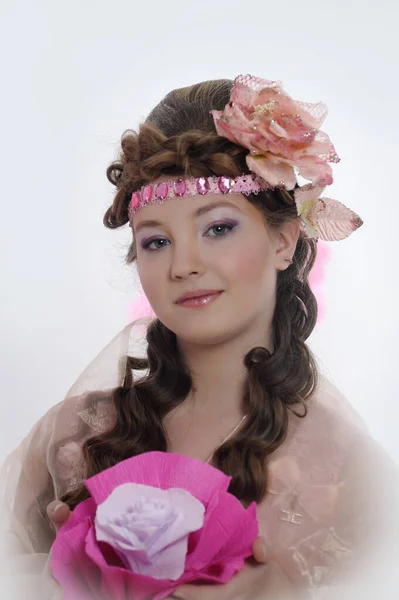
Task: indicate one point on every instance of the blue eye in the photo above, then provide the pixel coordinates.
(226, 226)
(146, 245)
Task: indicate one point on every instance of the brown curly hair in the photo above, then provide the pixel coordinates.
(179, 138)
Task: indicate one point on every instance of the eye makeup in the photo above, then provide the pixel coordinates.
(228, 224)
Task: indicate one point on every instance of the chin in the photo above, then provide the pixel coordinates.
(205, 331)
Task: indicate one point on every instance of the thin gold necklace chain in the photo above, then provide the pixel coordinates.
(227, 438)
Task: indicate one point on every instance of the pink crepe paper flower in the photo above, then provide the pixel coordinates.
(281, 134)
(153, 522)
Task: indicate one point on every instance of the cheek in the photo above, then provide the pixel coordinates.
(150, 277)
(250, 264)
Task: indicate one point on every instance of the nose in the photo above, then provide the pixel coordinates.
(186, 260)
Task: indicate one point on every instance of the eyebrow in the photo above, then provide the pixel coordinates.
(200, 211)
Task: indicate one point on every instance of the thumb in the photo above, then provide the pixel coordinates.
(58, 513)
(259, 550)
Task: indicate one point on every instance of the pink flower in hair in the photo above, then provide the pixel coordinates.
(282, 134)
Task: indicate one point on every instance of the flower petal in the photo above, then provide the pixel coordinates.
(71, 567)
(160, 469)
(274, 172)
(316, 171)
(149, 527)
(118, 582)
(85, 509)
(305, 198)
(263, 118)
(227, 537)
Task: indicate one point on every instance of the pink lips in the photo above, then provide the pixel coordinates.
(196, 294)
(200, 300)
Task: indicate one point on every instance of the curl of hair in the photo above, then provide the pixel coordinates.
(179, 138)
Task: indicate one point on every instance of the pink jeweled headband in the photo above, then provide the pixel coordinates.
(283, 137)
(194, 186)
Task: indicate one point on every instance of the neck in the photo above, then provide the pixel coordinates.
(219, 373)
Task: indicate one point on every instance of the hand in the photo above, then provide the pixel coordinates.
(259, 550)
(256, 581)
(58, 513)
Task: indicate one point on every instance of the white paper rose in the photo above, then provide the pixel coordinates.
(149, 527)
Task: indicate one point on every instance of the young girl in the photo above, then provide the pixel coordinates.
(224, 238)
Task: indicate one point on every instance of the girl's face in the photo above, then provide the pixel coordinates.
(210, 242)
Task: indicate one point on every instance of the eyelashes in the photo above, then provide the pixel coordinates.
(225, 225)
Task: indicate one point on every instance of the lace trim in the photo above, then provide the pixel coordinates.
(329, 549)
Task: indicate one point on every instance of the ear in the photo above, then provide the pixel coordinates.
(286, 241)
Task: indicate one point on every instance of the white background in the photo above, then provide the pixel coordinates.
(75, 75)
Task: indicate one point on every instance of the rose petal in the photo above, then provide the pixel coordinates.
(317, 172)
(152, 540)
(116, 580)
(228, 533)
(160, 469)
(262, 117)
(74, 571)
(305, 198)
(274, 172)
(85, 509)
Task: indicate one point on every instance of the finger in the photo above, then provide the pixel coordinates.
(58, 513)
(259, 550)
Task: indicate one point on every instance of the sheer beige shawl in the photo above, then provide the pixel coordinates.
(329, 471)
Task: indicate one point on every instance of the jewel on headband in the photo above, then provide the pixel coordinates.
(194, 186)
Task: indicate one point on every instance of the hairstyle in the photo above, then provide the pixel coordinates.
(179, 138)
